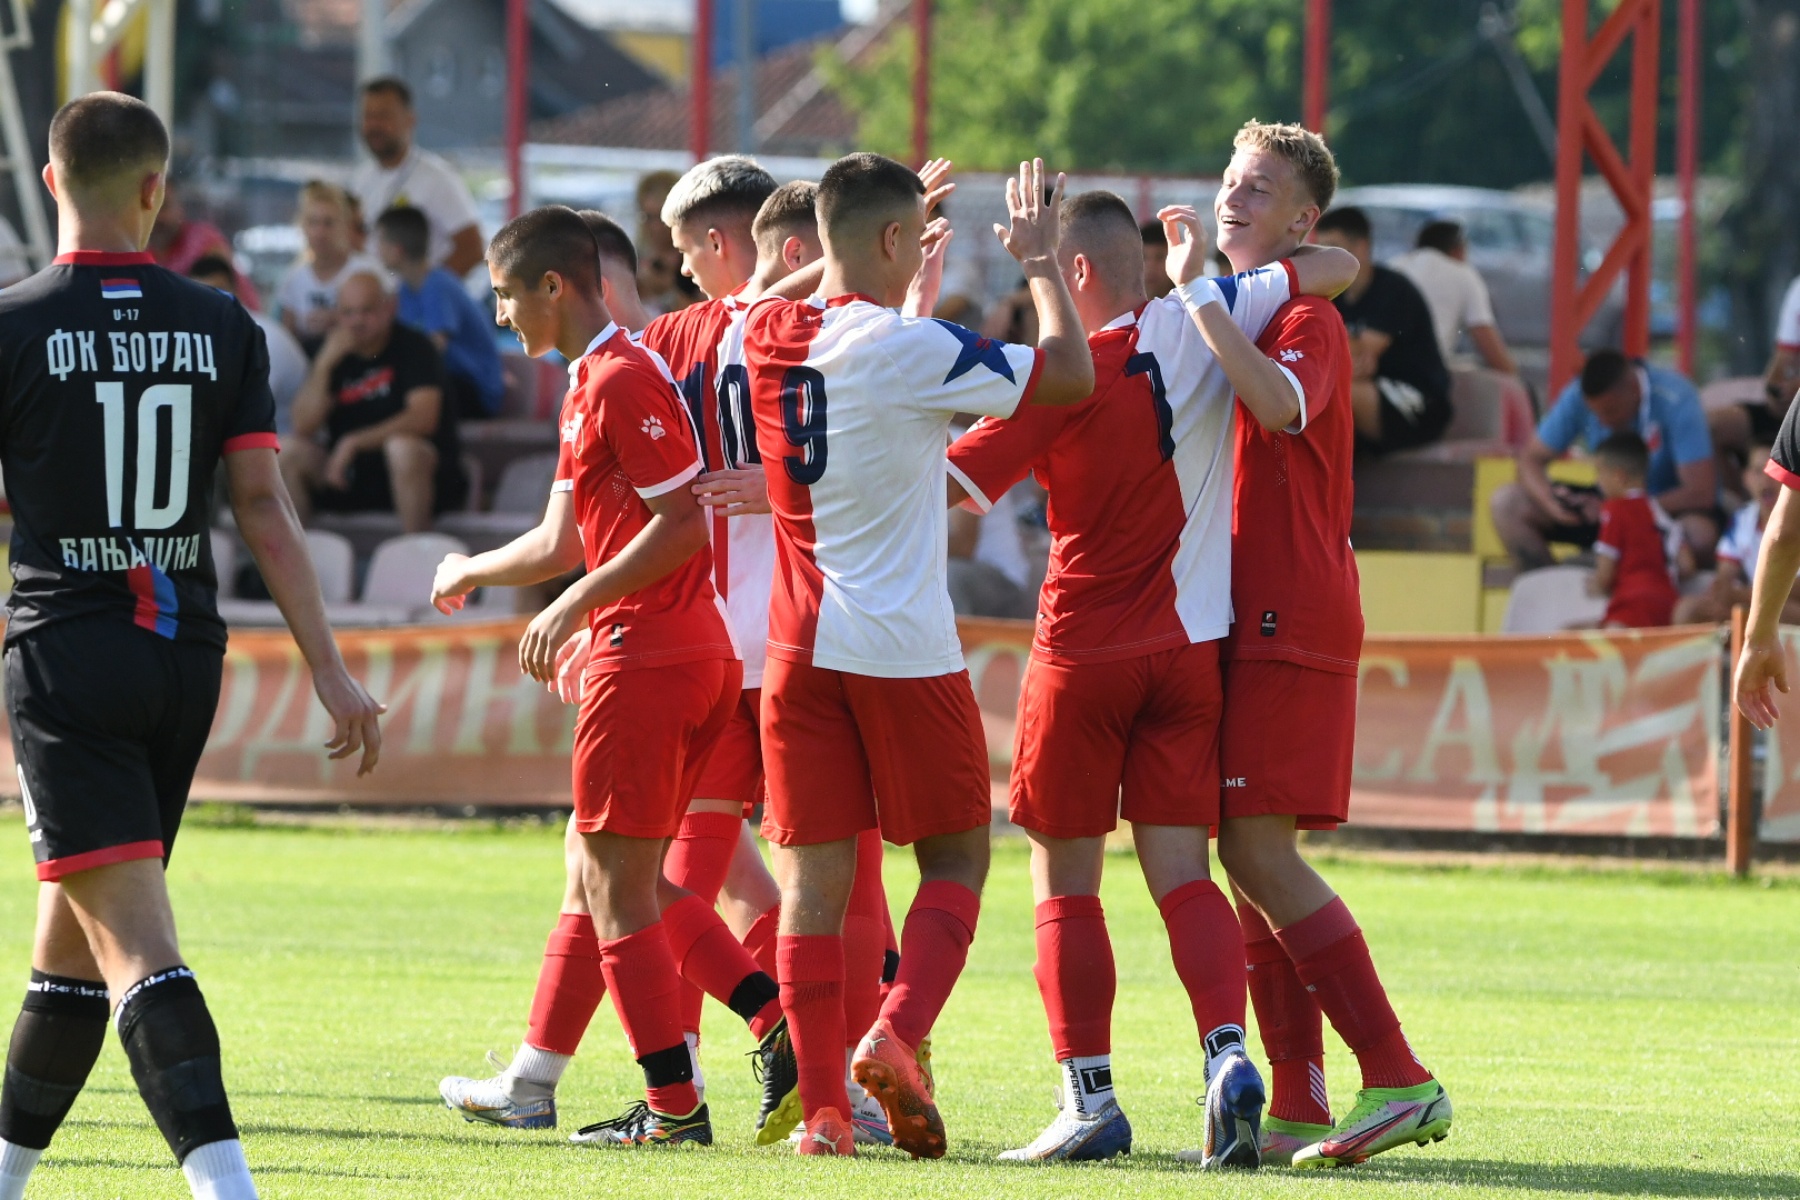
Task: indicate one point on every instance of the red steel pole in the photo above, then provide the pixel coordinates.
(1646, 81)
(921, 96)
(700, 95)
(1687, 170)
(518, 91)
(1317, 85)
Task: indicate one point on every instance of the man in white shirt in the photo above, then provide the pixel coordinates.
(1456, 294)
(404, 176)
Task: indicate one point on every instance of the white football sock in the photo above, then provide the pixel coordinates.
(533, 1065)
(693, 1045)
(16, 1163)
(1087, 1083)
(1220, 1044)
(217, 1171)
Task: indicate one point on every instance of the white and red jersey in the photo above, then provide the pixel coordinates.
(1140, 482)
(626, 437)
(703, 346)
(853, 405)
(1293, 577)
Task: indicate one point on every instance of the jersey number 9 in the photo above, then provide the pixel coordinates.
(178, 398)
(803, 419)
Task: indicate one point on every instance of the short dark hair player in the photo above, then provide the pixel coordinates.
(122, 385)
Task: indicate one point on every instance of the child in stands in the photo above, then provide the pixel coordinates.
(1636, 552)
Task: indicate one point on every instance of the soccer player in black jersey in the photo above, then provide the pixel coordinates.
(122, 385)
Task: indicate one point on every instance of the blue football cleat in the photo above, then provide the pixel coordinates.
(1233, 1104)
(1075, 1138)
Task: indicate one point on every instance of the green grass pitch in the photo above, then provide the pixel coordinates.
(1601, 1033)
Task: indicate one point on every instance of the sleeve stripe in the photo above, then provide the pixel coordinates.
(1293, 277)
(1609, 551)
(978, 499)
(1037, 370)
(562, 485)
(670, 484)
(1787, 347)
(1300, 425)
(1782, 475)
(251, 441)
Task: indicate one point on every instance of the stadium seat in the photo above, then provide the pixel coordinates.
(335, 565)
(401, 570)
(224, 554)
(335, 562)
(518, 505)
(1551, 600)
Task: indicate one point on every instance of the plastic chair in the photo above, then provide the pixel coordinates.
(401, 571)
(1551, 600)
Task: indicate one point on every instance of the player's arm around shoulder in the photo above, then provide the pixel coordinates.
(270, 528)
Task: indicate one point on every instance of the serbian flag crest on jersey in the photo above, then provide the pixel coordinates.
(120, 289)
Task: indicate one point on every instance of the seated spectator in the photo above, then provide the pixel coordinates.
(375, 395)
(1456, 294)
(1156, 257)
(1400, 388)
(287, 362)
(1738, 550)
(1736, 427)
(1614, 394)
(1634, 553)
(433, 301)
(306, 300)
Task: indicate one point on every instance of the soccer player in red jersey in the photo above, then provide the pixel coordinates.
(1290, 689)
(663, 675)
(1120, 705)
(869, 721)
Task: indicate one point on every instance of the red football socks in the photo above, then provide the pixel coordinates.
(812, 993)
(759, 940)
(934, 945)
(698, 860)
(569, 987)
(865, 940)
(1292, 1028)
(1208, 949)
(640, 974)
(890, 960)
(1075, 975)
(712, 960)
(1332, 960)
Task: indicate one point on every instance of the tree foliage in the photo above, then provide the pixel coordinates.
(1417, 92)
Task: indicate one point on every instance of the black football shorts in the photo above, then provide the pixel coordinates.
(108, 725)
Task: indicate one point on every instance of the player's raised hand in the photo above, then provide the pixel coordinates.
(449, 586)
(736, 493)
(1033, 233)
(1187, 242)
(1760, 668)
(355, 716)
(571, 665)
(922, 293)
(935, 175)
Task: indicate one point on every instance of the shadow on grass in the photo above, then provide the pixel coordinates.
(80, 1162)
(1588, 1179)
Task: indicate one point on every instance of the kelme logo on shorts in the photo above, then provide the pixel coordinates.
(1268, 623)
(618, 637)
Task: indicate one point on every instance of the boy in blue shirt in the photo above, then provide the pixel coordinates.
(433, 302)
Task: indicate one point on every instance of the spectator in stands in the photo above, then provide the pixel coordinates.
(404, 176)
(1614, 394)
(307, 297)
(1738, 551)
(1634, 553)
(1456, 294)
(1156, 255)
(375, 395)
(618, 270)
(1735, 428)
(433, 301)
(991, 575)
(1400, 388)
(178, 241)
(660, 282)
(287, 362)
(1012, 318)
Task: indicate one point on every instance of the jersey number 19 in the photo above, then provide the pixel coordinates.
(178, 398)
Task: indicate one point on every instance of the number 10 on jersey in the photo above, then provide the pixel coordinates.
(178, 399)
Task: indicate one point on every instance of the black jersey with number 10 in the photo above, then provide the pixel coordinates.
(121, 385)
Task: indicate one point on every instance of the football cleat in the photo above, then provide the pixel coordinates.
(775, 1068)
(641, 1126)
(1282, 1139)
(827, 1133)
(501, 1100)
(924, 1057)
(1233, 1105)
(1382, 1119)
(888, 1069)
(1075, 1138)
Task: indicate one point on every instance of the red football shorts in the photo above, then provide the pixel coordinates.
(734, 769)
(845, 753)
(642, 739)
(1289, 736)
(1138, 738)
